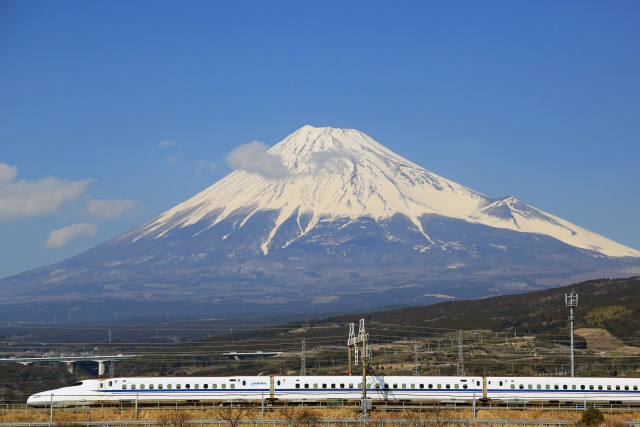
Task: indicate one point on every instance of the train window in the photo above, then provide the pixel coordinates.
(206, 386)
(101, 385)
(124, 386)
(297, 385)
(151, 386)
(245, 383)
(635, 387)
(368, 385)
(478, 383)
(141, 386)
(500, 383)
(513, 386)
(359, 385)
(530, 386)
(188, 386)
(223, 386)
(169, 386)
(617, 387)
(404, 385)
(608, 387)
(395, 386)
(214, 385)
(110, 383)
(386, 386)
(573, 387)
(315, 385)
(582, 387)
(324, 386)
(456, 386)
(196, 386)
(178, 386)
(626, 387)
(278, 382)
(521, 386)
(556, 387)
(306, 386)
(341, 385)
(350, 385)
(413, 386)
(333, 386)
(439, 386)
(160, 386)
(447, 385)
(233, 386)
(539, 386)
(133, 386)
(591, 387)
(547, 386)
(421, 385)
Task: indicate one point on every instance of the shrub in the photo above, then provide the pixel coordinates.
(592, 416)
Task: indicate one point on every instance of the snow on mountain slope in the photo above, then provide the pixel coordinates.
(343, 173)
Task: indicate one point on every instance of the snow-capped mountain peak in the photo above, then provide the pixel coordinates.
(328, 174)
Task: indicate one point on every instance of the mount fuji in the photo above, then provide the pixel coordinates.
(327, 219)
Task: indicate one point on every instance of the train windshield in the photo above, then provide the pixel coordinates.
(78, 383)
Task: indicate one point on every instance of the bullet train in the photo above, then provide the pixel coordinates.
(461, 389)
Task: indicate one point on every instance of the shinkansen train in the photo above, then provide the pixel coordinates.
(460, 389)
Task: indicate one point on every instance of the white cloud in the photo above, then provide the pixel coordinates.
(254, 158)
(326, 162)
(20, 199)
(61, 237)
(205, 166)
(7, 173)
(167, 143)
(111, 209)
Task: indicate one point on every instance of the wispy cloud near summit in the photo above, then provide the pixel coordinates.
(253, 157)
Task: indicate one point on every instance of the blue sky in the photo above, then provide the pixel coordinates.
(113, 112)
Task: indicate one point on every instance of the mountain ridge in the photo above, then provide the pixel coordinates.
(318, 220)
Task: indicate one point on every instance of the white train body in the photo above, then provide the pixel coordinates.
(320, 388)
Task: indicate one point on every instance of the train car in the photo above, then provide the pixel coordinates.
(563, 389)
(379, 388)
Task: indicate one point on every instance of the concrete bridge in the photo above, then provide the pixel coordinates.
(70, 360)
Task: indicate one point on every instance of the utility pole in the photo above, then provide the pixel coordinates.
(303, 361)
(416, 367)
(571, 300)
(460, 359)
(350, 342)
(365, 352)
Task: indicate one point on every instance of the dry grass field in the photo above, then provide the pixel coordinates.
(298, 416)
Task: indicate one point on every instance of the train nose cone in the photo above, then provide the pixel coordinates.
(37, 400)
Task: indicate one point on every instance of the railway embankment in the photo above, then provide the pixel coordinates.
(309, 416)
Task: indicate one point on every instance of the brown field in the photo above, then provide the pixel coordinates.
(297, 416)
